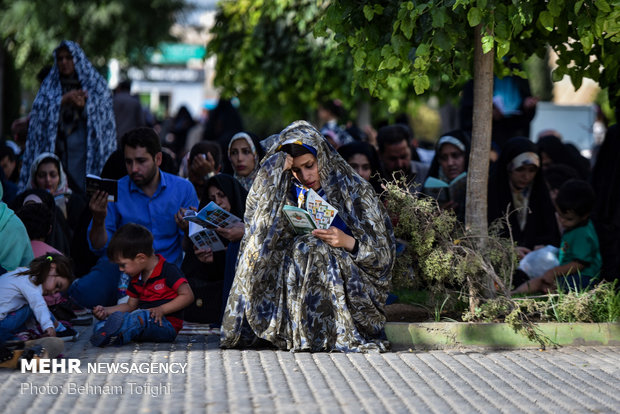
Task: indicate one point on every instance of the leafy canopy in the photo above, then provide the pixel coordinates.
(268, 56)
(430, 43)
(103, 28)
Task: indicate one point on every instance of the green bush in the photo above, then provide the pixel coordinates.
(438, 254)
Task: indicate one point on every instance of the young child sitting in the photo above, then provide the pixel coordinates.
(22, 291)
(157, 292)
(580, 257)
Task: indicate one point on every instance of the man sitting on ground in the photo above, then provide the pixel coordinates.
(146, 196)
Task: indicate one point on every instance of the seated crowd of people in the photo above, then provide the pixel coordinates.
(133, 264)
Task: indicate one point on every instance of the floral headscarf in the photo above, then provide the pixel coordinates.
(43, 125)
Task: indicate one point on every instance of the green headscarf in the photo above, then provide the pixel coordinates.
(15, 248)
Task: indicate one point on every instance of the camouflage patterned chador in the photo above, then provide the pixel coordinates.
(297, 292)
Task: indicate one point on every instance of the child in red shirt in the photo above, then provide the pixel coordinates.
(158, 292)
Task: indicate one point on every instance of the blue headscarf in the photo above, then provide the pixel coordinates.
(43, 125)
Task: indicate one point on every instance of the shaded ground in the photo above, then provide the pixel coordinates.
(402, 312)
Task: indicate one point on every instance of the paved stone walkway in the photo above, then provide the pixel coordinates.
(568, 380)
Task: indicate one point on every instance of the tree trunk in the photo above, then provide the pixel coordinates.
(363, 114)
(478, 171)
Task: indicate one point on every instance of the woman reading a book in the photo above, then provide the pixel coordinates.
(209, 273)
(320, 291)
(447, 178)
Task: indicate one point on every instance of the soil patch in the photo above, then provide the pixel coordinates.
(402, 312)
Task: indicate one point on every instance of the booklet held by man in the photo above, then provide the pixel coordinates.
(442, 191)
(95, 183)
(212, 216)
(318, 214)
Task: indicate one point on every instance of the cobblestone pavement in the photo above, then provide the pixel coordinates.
(568, 380)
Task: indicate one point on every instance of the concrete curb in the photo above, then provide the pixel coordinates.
(446, 335)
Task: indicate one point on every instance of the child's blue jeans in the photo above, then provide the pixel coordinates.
(139, 326)
(14, 322)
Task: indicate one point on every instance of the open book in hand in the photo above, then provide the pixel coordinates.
(212, 216)
(444, 192)
(205, 238)
(318, 214)
(95, 183)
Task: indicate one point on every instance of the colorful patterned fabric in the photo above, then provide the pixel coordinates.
(43, 126)
(297, 292)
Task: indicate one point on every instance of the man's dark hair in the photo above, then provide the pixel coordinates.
(142, 137)
(129, 241)
(577, 196)
(393, 134)
(37, 219)
(204, 147)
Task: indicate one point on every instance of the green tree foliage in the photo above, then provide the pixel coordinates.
(103, 28)
(10, 97)
(430, 43)
(269, 57)
(439, 45)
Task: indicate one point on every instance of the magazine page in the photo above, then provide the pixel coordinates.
(217, 216)
(192, 217)
(458, 187)
(436, 188)
(321, 211)
(212, 216)
(205, 238)
(300, 219)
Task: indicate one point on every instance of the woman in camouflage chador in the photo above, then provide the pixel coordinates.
(322, 291)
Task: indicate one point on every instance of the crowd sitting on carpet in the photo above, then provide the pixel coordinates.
(141, 267)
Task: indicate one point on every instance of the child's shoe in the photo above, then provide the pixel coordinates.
(65, 331)
(82, 320)
(108, 334)
(69, 334)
